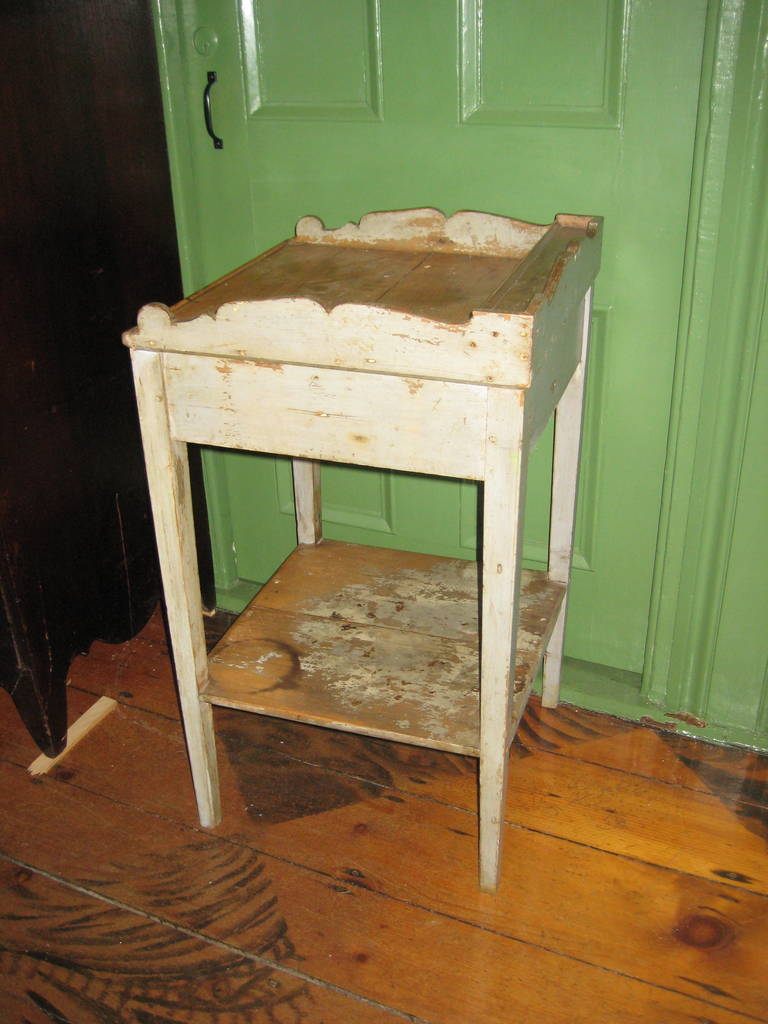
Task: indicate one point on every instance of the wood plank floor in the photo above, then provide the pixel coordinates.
(341, 886)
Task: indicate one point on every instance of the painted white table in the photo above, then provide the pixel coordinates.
(409, 342)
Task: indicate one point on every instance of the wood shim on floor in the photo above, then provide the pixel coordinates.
(87, 721)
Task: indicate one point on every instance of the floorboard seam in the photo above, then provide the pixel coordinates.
(514, 824)
(532, 749)
(376, 893)
(207, 940)
(653, 778)
(463, 810)
(127, 704)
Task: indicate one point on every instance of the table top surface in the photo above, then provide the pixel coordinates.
(473, 298)
(443, 269)
(439, 286)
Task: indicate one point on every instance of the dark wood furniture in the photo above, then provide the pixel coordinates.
(88, 231)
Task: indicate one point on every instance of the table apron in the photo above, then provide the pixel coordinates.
(402, 423)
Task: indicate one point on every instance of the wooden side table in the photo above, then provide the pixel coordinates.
(410, 342)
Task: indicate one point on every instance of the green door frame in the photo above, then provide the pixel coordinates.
(724, 291)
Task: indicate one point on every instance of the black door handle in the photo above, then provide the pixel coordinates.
(217, 142)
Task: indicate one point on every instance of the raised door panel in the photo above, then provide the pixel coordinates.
(299, 65)
(543, 63)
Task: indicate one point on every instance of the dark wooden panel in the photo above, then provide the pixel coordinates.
(87, 234)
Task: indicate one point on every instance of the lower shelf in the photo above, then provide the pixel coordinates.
(374, 641)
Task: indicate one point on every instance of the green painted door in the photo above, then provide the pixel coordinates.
(520, 107)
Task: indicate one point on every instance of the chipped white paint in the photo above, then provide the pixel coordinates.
(430, 230)
(503, 512)
(366, 658)
(341, 416)
(441, 602)
(490, 348)
(373, 672)
(169, 489)
(254, 657)
(558, 342)
(565, 478)
(307, 499)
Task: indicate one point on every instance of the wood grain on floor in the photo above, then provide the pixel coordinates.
(341, 885)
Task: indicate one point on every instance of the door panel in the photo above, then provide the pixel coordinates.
(523, 108)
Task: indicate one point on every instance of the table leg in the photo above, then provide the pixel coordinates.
(503, 504)
(565, 473)
(306, 490)
(169, 489)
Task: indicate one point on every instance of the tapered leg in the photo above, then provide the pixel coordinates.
(503, 500)
(169, 488)
(565, 472)
(306, 490)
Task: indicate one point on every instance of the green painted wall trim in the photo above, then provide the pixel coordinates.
(714, 114)
(718, 345)
(610, 692)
